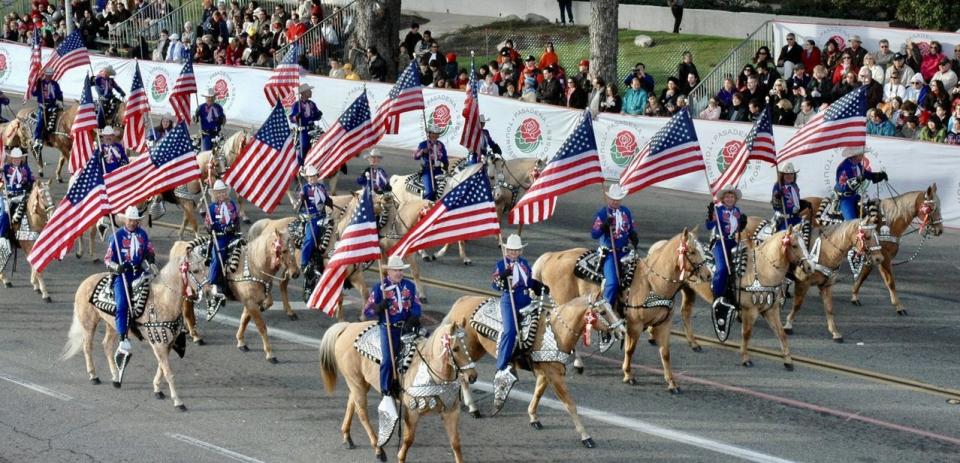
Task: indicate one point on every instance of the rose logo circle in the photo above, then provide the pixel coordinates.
(3, 62)
(726, 154)
(623, 148)
(220, 91)
(159, 87)
(528, 135)
(441, 118)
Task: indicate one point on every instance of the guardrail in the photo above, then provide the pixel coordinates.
(128, 32)
(730, 67)
(328, 38)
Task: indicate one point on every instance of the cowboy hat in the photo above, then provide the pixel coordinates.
(17, 153)
(174, 36)
(109, 71)
(305, 87)
(108, 130)
(433, 128)
(208, 93)
(396, 263)
(787, 168)
(514, 243)
(484, 119)
(615, 192)
(850, 152)
(219, 186)
(132, 213)
(48, 72)
(854, 38)
(374, 153)
(729, 189)
(310, 170)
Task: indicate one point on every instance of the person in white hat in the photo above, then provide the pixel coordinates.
(129, 253)
(613, 227)
(393, 303)
(851, 175)
(17, 182)
(114, 156)
(513, 278)
(785, 200)
(727, 221)
(487, 145)
(107, 102)
(432, 154)
(50, 102)
(856, 51)
(305, 114)
(314, 201)
(211, 117)
(223, 221)
(375, 176)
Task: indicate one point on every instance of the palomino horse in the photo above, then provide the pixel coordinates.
(252, 279)
(60, 137)
(761, 289)
(161, 321)
(10, 135)
(439, 361)
(38, 211)
(567, 322)
(401, 216)
(827, 254)
(648, 302)
(899, 213)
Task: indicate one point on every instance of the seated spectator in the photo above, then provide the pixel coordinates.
(434, 54)
(612, 102)
(462, 80)
(917, 90)
(894, 112)
(178, 49)
(943, 114)
(953, 135)
(954, 120)
(899, 65)
(529, 78)
(488, 86)
(725, 95)
(946, 74)
(712, 111)
(930, 61)
(885, 55)
(511, 91)
(635, 98)
(831, 55)
(845, 86)
(936, 96)
(878, 124)
(440, 83)
(800, 77)
(668, 97)
(436, 72)
(738, 110)
(681, 103)
(753, 88)
(426, 72)
(874, 88)
(583, 76)
(791, 55)
(933, 131)
(686, 67)
(576, 98)
(763, 58)
(653, 108)
(783, 113)
(955, 61)
(780, 92)
(810, 56)
(855, 50)
(251, 52)
(754, 108)
(511, 55)
(805, 114)
(349, 73)
(336, 71)
(646, 80)
(870, 62)
(233, 52)
(688, 85)
(549, 57)
(893, 88)
(845, 66)
(162, 45)
(745, 74)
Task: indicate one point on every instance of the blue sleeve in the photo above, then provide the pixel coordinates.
(596, 232)
(119, 90)
(294, 111)
(494, 279)
(57, 91)
(370, 310)
(627, 79)
(711, 221)
(422, 146)
(111, 256)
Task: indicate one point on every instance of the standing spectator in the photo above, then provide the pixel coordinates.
(676, 7)
(899, 65)
(712, 111)
(893, 88)
(423, 47)
(634, 99)
(916, 91)
(945, 74)
(612, 103)
(488, 86)
(582, 77)
(376, 65)
(530, 78)
(566, 11)
(885, 55)
(725, 95)
(597, 95)
(855, 50)
(790, 54)
(878, 124)
(810, 56)
(646, 80)
(295, 28)
(689, 84)
(549, 57)
(549, 90)
(831, 55)
(218, 27)
(933, 131)
(451, 68)
(686, 67)
(930, 62)
(412, 38)
(806, 113)
(511, 54)
(576, 96)
(870, 62)
(189, 34)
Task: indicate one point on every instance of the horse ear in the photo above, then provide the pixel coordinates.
(696, 229)
(932, 190)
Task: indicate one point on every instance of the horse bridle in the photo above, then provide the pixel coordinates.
(600, 315)
(925, 212)
(447, 343)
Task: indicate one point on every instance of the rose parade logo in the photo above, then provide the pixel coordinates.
(720, 151)
(157, 82)
(224, 91)
(528, 135)
(4, 65)
(623, 148)
(441, 113)
(726, 154)
(440, 117)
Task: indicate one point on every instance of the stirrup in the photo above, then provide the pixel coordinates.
(722, 315)
(388, 419)
(121, 359)
(503, 382)
(215, 303)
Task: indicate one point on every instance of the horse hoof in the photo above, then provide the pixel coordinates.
(653, 342)
(116, 384)
(246, 221)
(38, 290)
(588, 443)
(79, 256)
(293, 317)
(697, 349)
(468, 263)
(429, 258)
(675, 391)
(748, 364)
(788, 366)
(381, 455)
(476, 414)
(348, 444)
(578, 370)
(536, 425)
(630, 382)
(273, 360)
(7, 284)
(47, 299)
(159, 395)
(181, 408)
(856, 302)
(902, 313)
(200, 342)
(243, 348)
(95, 381)
(788, 331)
(838, 340)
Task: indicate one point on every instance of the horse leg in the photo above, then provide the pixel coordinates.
(538, 391)
(60, 163)
(242, 330)
(662, 334)
(241, 210)
(109, 342)
(162, 352)
(4, 280)
(262, 329)
(577, 362)
(633, 334)
(347, 422)
(463, 253)
(748, 317)
(90, 331)
(409, 431)
(360, 404)
(772, 316)
(285, 299)
(826, 295)
(799, 294)
(858, 282)
(41, 285)
(468, 398)
(687, 299)
(559, 383)
(886, 272)
(190, 317)
(451, 422)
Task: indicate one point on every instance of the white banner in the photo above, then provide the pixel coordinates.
(870, 36)
(527, 130)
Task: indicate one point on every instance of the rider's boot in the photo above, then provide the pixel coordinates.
(215, 302)
(122, 357)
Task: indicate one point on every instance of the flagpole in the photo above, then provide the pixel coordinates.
(509, 289)
(113, 229)
(393, 358)
(716, 218)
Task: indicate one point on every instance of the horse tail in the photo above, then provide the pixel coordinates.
(75, 338)
(328, 356)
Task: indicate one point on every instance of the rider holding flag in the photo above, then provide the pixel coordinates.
(487, 145)
(315, 199)
(50, 100)
(851, 174)
(17, 181)
(211, 117)
(613, 227)
(223, 221)
(108, 103)
(304, 113)
(432, 154)
(727, 221)
(785, 198)
(374, 176)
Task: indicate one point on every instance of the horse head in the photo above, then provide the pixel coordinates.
(866, 241)
(691, 255)
(283, 252)
(602, 317)
(454, 350)
(42, 200)
(794, 248)
(928, 211)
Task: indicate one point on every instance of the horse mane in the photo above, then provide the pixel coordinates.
(773, 242)
(901, 208)
(36, 221)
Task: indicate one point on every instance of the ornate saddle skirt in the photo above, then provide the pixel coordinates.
(297, 230)
(200, 248)
(414, 184)
(589, 267)
(486, 320)
(104, 299)
(368, 345)
(829, 211)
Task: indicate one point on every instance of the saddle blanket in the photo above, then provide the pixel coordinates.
(200, 248)
(104, 300)
(589, 268)
(486, 320)
(368, 345)
(414, 184)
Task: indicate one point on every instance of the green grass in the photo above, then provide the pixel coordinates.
(661, 60)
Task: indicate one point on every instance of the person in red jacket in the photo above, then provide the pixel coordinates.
(811, 56)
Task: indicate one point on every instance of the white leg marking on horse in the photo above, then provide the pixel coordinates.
(213, 448)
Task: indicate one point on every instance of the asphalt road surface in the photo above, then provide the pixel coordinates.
(844, 402)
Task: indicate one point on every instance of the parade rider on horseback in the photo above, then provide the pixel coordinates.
(432, 154)
(211, 117)
(727, 221)
(487, 145)
(393, 302)
(513, 277)
(315, 199)
(613, 227)
(305, 114)
(851, 174)
(223, 221)
(785, 199)
(50, 103)
(17, 182)
(374, 176)
(107, 102)
(129, 254)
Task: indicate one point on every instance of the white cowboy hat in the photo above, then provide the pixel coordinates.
(615, 192)
(514, 242)
(220, 186)
(854, 38)
(174, 36)
(850, 152)
(17, 153)
(396, 263)
(305, 87)
(208, 93)
(787, 168)
(484, 119)
(109, 71)
(132, 213)
(108, 130)
(48, 72)
(432, 128)
(374, 153)
(729, 189)
(310, 170)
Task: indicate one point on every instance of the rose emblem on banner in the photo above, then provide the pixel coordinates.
(528, 135)
(221, 91)
(441, 118)
(726, 154)
(624, 148)
(4, 70)
(159, 87)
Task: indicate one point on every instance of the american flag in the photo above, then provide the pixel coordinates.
(286, 77)
(35, 65)
(472, 133)
(352, 133)
(842, 125)
(85, 202)
(82, 130)
(183, 88)
(170, 164)
(70, 54)
(406, 95)
(358, 243)
(264, 168)
(576, 165)
(135, 116)
(758, 145)
(673, 151)
(465, 213)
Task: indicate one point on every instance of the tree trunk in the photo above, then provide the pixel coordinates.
(603, 39)
(378, 26)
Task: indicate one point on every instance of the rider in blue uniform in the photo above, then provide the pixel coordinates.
(304, 113)
(315, 199)
(17, 181)
(113, 153)
(851, 173)
(394, 301)
(211, 117)
(129, 254)
(727, 221)
(613, 227)
(105, 85)
(487, 145)
(223, 221)
(785, 198)
(374, 176)
(432, 154)
(50, 100)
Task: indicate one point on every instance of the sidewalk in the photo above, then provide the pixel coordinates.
(443, 23)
